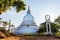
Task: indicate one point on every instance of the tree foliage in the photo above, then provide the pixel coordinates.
(57, 20)
(6, 4)
(54, 27)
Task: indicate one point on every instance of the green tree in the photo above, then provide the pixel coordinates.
(57, 20)
(6, 4)
(54, 27)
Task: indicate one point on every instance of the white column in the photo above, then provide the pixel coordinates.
(50, 28)
(46, 26)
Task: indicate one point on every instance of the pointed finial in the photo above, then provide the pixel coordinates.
(28, 11)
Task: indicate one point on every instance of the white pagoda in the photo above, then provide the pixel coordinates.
(28, 25)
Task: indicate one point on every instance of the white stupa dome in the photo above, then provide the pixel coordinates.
(28, 17)
(28, 25)
(26, 30)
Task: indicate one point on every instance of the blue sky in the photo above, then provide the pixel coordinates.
(39, 8)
